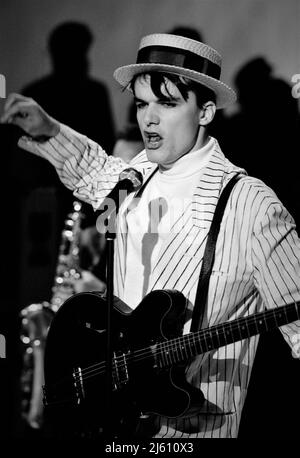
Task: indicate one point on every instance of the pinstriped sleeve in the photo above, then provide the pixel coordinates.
(82, 165)
(276, 259)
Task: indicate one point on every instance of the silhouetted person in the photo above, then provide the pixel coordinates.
(263, 135)
(70, 94)
(69, 91)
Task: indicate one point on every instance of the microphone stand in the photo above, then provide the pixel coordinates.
(110, 236)
(130, 179)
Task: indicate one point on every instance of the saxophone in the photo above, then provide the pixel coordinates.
(36, 319)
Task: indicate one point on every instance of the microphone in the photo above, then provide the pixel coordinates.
(129, 180)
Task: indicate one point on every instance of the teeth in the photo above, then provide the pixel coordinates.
(154, 138)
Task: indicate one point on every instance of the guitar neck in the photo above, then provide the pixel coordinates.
(193, 344)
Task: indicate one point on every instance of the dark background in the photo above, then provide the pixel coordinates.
(260, 44)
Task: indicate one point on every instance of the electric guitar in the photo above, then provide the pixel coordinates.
(147, 362)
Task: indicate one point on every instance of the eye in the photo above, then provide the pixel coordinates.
(168, 103)
(140, 105)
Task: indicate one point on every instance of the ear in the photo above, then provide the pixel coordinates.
(207, 113)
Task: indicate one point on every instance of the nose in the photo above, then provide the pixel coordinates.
(151, 115)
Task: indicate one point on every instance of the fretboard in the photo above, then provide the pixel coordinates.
(190, 345)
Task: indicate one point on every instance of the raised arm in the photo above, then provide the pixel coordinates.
(82, 165)
(27, 114)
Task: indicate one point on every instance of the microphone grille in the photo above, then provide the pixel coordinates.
(133, 175)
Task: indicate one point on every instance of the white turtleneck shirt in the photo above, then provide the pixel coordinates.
(163, 200)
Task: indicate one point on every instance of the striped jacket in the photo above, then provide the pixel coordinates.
(257, 266)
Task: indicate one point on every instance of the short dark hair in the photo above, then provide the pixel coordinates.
(184, 85)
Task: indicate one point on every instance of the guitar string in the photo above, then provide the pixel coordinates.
(147, 352)
(95, 369)
(166, 346)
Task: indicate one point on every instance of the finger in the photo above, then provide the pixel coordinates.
(20, 122)
(12, 99)
(18, 109)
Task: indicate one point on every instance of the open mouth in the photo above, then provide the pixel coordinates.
(153, 140)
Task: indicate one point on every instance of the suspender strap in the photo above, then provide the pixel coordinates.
(141, 190)
(209, 254)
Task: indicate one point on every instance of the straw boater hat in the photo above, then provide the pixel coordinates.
(181, 56)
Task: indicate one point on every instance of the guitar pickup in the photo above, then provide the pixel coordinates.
(120, 369)
(78, 384)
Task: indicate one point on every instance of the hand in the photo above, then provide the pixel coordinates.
(27, 114)
(295, 339)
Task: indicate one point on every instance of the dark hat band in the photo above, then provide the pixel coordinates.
(168, 55)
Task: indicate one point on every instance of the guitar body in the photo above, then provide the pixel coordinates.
(77, 340)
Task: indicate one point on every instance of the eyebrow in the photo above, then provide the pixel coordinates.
(136, 99)
(171, 99)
